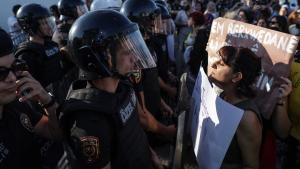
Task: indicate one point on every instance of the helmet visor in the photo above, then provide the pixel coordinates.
(81, 9)
(137, 49)
(47, 25)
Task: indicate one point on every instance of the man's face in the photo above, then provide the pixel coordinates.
(47, 26)
(124, 60)
(7, 83)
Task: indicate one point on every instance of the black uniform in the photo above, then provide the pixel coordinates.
(103, 127)
(17, 140)
(44, 61)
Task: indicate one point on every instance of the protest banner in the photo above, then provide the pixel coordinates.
(213, 124)
(276, 50)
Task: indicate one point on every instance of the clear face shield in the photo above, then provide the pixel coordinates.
(47, 26)
(133, 48)
(81, 9)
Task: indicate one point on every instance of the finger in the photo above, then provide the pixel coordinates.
(284, 86)
(28, 87)
(287, 80)
(25, 89)
(26, 74)
(23, 81)
(28, 96)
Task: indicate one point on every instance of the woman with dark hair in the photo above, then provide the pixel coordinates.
(245, 15)
(196, 21)
(280, 23)
(235, 73)
(262, 22)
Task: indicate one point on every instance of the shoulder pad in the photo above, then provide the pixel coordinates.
(29, 47)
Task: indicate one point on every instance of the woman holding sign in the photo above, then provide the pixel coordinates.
(235, 72)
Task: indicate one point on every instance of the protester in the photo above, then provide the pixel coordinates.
(235, 72)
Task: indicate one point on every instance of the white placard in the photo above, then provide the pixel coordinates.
(214, 123)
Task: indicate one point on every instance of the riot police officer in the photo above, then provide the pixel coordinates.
(44, 62)
(40, 53)
(148, 16)
(20, 121)
(69, 10)
(100, 118)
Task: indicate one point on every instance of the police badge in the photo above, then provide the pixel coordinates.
(90, 148)
(25, 121)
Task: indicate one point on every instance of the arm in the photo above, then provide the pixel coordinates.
(165, 108)
(280, 120)
(172, 91)
(47, 126)
(149, 123)
(249, 135)
(91, 133)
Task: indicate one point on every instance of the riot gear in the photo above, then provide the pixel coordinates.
(94, 45)
(106, 4)
(34, 18)
(145, 13)
(71, 9)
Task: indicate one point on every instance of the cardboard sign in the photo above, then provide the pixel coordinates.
(276, 50)
(214, 123)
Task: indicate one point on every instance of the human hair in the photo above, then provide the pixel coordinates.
(54, 10)
(242, 60)
(282, 22)
(198, 18)
(15, 8)
(248, 13)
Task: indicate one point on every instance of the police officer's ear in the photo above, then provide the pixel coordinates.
(93, 61)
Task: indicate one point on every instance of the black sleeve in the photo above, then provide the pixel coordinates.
(91, 139)
(32, 110)
(32, 62)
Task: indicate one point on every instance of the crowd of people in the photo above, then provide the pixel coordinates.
(100, 84)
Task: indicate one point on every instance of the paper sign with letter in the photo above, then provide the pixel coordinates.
(276, 50)
(214, 123)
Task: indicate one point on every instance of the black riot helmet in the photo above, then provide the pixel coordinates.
(96, 47)
(164, 12)
(144, 12)
(34, 17)
(71, 9)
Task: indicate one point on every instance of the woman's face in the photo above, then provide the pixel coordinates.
(221, 74)
(274, 23)
(262, 23)
(242, 16)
